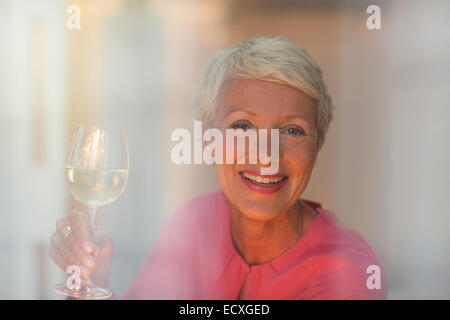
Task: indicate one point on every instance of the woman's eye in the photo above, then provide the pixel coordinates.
(240, 125)
(295, 131)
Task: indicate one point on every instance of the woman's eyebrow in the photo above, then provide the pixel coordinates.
(296, 116)
(235, 108)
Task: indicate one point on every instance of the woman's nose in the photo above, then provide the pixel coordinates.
(268, 150)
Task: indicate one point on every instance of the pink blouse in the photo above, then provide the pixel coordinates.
(195, 258)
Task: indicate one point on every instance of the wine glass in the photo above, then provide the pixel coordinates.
(96, 172)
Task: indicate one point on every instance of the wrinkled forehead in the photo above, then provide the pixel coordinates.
(264, 99)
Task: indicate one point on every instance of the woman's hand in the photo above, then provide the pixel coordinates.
(78, 248)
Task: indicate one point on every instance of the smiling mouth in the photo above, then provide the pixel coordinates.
(262, 181)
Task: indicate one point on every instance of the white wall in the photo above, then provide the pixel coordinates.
(418, 103)
(31, 114)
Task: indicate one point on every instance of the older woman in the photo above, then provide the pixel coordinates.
(255, 238)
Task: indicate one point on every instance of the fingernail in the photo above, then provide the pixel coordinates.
(89, 261)
(88, 247)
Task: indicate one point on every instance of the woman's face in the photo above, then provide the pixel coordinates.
(258, 104)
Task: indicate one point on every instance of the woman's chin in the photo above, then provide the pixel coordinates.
(261, 212)
(260, 206)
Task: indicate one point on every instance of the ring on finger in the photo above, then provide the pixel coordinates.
(66, 231)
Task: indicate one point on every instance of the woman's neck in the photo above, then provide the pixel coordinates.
(259, 241)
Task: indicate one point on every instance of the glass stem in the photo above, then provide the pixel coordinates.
(85, 281)
(92, 212)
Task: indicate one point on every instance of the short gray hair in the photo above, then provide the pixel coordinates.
(270, 59)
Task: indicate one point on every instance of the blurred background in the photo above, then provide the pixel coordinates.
(384, 169)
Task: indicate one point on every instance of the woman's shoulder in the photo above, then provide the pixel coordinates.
(329, 236)
(341, 255)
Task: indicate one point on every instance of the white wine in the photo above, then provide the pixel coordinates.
(95, 187)
(91, 151)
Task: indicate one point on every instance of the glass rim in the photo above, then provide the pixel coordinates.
(100, 127)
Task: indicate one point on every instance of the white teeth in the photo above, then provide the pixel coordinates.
(262, 180)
